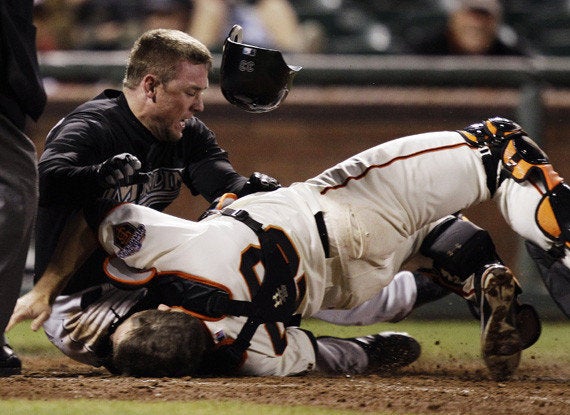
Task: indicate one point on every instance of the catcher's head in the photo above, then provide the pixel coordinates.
(157, 343)
(253, 78)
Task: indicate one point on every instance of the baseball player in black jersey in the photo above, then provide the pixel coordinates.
(140, 145)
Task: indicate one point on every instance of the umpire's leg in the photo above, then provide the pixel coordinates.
(18, 202)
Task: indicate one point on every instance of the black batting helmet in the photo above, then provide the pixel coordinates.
(253, 78)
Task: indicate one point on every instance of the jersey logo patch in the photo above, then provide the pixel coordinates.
(280, 296)
(219, 336)
(128, 238)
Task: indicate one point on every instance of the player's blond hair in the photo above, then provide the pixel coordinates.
(159, 52)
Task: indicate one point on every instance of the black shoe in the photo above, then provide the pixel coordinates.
(501, 342)
(389, 350)
(10, 364)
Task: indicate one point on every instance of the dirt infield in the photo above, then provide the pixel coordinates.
(421, 389)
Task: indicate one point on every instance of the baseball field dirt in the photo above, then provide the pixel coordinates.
(446, 387)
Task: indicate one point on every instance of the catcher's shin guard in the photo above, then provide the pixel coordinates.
(463, 254)
(459, 250)
(553, 216)
(493, 132)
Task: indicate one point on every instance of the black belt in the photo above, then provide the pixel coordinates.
(323, 234)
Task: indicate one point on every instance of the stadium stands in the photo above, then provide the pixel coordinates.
(350, 26)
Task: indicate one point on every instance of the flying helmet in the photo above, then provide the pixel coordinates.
(253, 78)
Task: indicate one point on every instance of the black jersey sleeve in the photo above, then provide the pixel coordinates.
(68, 165)
(209, 171)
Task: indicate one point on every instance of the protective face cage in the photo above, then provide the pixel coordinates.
(253, 78)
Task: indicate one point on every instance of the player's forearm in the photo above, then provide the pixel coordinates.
(75, 245)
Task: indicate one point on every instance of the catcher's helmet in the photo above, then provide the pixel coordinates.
(253, 78)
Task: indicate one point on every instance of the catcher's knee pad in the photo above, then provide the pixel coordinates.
(493, 132)
(507, 151)
(459, 249)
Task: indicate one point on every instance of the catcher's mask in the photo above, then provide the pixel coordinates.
(253, 78)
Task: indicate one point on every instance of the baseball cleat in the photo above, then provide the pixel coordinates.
(500, 340)
(528, 324)
(389, 350)
(10, 364)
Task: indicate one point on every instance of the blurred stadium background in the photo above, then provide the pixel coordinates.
(359, 86)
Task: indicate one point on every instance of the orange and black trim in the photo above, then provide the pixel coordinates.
(552, 215)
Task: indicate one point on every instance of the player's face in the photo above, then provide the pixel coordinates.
(176, 101)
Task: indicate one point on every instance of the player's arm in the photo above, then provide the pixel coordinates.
(78, 164)
(67, 166)
(210, 173)
(76, 243)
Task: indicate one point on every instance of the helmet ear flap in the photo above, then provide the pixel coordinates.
(236, 33)
(253, 78)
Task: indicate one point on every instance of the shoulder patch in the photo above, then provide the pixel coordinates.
(128, 238)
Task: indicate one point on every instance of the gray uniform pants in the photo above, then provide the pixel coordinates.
(18, 205)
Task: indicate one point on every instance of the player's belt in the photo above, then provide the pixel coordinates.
(323, 234)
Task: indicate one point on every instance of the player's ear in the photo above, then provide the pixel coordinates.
(150, 82)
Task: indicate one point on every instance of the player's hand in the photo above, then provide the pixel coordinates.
(31, 306)
(120, 170)
(260, 182)
(218, 204)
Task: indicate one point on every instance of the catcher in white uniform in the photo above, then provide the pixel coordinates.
(335, 241)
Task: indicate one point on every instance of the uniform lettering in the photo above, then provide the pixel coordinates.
(246, 66)
(250, 259)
